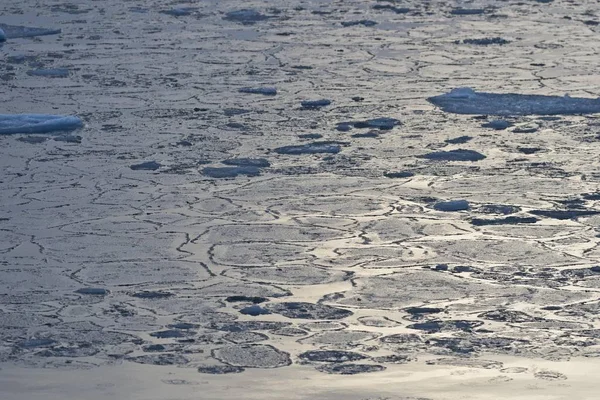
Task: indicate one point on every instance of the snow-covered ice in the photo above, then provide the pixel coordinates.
(468, 101)
(37, 123)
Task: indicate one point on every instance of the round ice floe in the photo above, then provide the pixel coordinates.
(252, 356)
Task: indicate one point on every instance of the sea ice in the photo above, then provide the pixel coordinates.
(2, 36)
(452, 205)
(310, 148)
(37, 123)
(314, 104)
(266, 91)
(15, 31)
(468, 101)
(50, 72)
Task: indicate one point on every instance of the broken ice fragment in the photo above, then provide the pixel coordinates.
(485, 41)
(467, 101)
(179, 12)
(266, 91)
(365, 22)
(248, 162)
(92, 291)
(498, 124)
(314, 104)
(14, 31)
(50, 73)
(245, 16)
(230, 172)
(310, 148)
(454, 155)
(146, 166)
(37, 123)
(379, 123)
(452, 205)
(255, 311)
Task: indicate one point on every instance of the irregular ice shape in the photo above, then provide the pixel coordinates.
(266, 91)
(485, 41)
(2, 36)
(452, 205)
(313, 104)
(230, 172)
(180, 12)
(14, 31)
(454, 155)
(459, 140)
(383, 123)
(365, 22)
(245, 16)
(146, 166)
(50, 73)
(467, 101)
(310, 148)
(37, 123)
(467, 11)
(397, 10)
(497, 124)
(248, 162)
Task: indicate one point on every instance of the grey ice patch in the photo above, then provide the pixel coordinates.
(230, 172)
(252, 356)
(15, 31)
(50, 72)
(265, 91)
(310, 148)
(350, 369)
(468, 101)
(308, 310)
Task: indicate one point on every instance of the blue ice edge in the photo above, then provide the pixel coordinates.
(467, 101)
(37, 123)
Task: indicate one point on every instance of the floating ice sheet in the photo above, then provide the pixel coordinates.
(50, 72)
(15, 31)
(37, 123)
(468, 101)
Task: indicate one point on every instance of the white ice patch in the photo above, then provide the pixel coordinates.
(37, 123)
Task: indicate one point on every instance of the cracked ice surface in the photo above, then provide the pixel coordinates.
(205, 222)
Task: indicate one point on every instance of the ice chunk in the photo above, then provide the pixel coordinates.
(180, 11)
(467, 101)
(314, 104)
(248, 162)
(310, 148)
(497, 124)
(267, 91)
(2, 36)
(452, 205)
(485, 41)
(230, 172)
(245, 16)
(146, 166)
(454, 155)
(15, 31)
(467, 11)
(383, 123)
(365, 22)
(50, 73)
(37, 123)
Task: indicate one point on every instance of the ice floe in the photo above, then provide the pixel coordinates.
(468, 101)
(37, 123)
